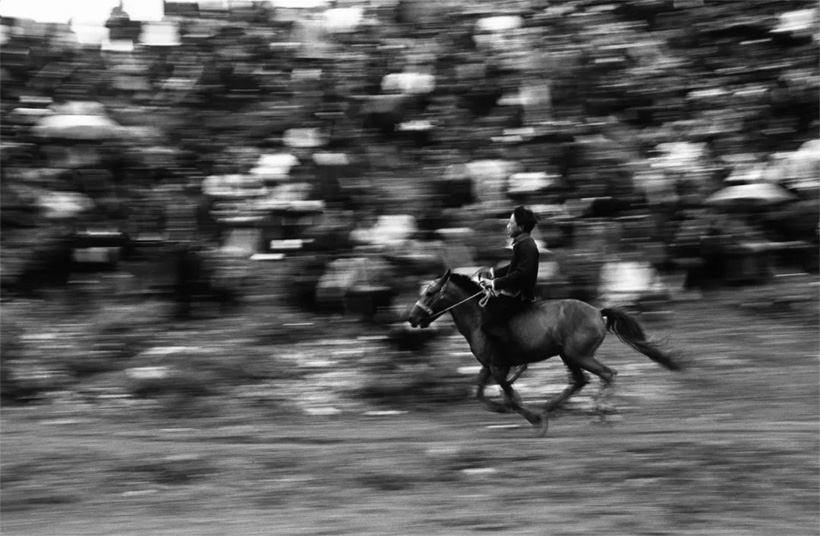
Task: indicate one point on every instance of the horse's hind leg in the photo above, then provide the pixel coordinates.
(606, 374)
(577, 382)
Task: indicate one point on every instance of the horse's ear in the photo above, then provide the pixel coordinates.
(447, 274)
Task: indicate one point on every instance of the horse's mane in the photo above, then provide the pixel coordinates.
(465, 283)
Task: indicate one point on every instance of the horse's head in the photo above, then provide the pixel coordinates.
(431, 302)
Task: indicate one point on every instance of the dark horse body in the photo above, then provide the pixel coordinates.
(571, 329)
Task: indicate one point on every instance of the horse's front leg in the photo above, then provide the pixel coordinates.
(483, 379)
(538, 421)
(518, 372)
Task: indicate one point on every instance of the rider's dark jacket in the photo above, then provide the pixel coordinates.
(519, 277)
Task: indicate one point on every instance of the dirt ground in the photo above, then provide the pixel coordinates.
(729, 447)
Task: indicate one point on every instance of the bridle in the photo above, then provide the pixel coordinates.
(433, 315)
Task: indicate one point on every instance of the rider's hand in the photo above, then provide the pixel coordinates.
(487, 285)
(484, 273)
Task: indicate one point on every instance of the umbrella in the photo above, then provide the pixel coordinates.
(29, 116)
(755, 195)
(57, 205)
(800, 165)
(79, 108)
(77, 127)
(801, 22)
(304, 138)
(499, 23)
(747, 172)
(409, 83)
(343, 19)
(275, 166)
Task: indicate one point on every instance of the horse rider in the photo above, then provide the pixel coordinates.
(511, 287)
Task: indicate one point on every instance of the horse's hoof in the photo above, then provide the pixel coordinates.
(601, 420)
(607, 419)
(606, 409)
(551, 408)
(495, 407)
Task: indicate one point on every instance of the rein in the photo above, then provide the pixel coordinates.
(480, 292)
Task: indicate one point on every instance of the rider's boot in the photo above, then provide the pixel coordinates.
(496, 334)
(499, 337)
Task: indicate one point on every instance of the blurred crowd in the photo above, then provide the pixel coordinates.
(312, 123)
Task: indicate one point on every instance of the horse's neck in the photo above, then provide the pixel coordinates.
(467, 316)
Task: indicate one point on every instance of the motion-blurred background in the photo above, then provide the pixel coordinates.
(678, 137)
(224, 208)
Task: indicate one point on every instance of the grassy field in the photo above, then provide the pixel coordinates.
(290, 446)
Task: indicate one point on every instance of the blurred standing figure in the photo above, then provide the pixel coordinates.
(512, 286)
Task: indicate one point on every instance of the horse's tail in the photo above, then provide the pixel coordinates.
(631, 333)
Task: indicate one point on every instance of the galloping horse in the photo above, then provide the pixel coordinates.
(571, 329)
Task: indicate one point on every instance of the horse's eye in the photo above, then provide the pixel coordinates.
(426, 289)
